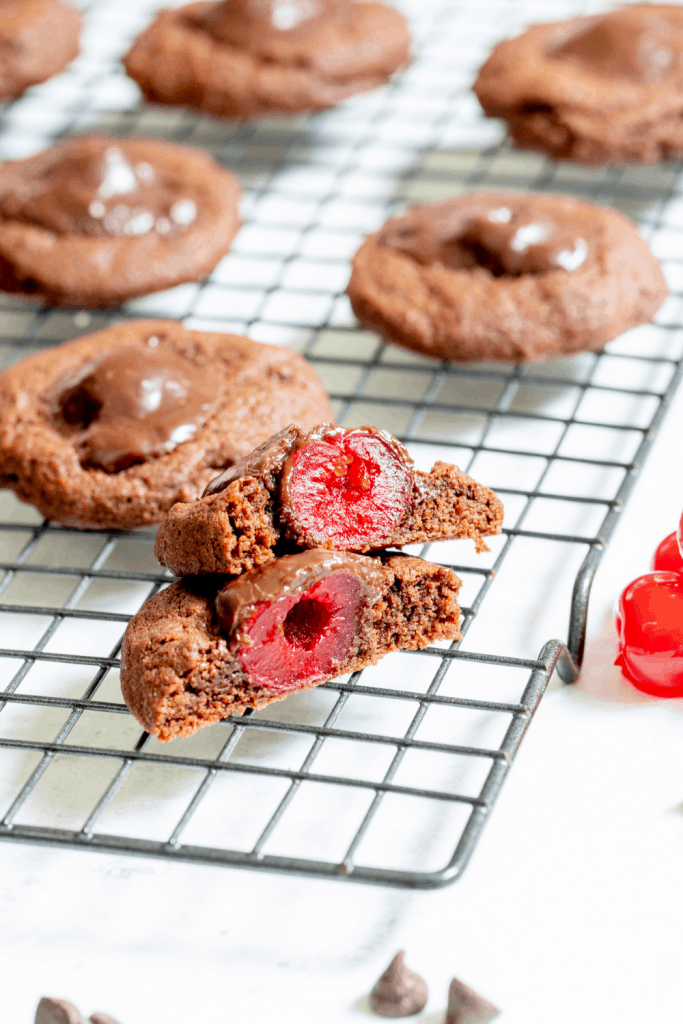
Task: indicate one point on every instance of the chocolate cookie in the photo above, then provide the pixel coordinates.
(351, 490)
(502, 276)
(38, 38)
(97, 220)
(110, 430)
(202, 650)
(249, 58)
(601, 89)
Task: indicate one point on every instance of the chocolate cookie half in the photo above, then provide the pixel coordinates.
(351, 490)
(98, 220)
(203, 650)
(38, 38)
(110, 430)
(505, 276)
(249, 58)
(607, 88)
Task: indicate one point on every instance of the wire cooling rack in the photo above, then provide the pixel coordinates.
(387, 776)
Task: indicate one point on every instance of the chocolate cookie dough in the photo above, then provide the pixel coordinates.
(607, 88)
(110, 430)
(98, 220)
(249, 58)
(505, 277)
(203, 650)
(353, 490)
(399, 992)
(38, 38)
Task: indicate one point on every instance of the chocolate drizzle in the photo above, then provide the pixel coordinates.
(465, 1006)
(508, 237)
(99, 187)
(291, 574)
(399, 992)
(135, 404)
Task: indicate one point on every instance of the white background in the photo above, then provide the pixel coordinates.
(570, 910)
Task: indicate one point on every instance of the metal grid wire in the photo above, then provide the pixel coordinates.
(387, 776)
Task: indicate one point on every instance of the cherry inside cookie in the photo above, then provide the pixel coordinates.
(347, 488)
(292, 621)
(299, 639)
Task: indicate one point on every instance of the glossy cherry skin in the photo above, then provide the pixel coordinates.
(650, 626)
(667, 557)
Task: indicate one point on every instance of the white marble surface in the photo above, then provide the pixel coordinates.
(571, 908)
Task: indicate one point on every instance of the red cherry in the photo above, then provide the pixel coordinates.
(650, 625)
(349, 488)
(679, 535)
(667, 557)
(299, 638)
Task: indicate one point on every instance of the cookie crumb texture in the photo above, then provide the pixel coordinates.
(601, 89)
(180, 670)
(505, 277)
(249, 513)
(38, 39)
(251, 58)
(97, 220)
(79, 441)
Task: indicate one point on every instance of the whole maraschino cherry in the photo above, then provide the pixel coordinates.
(667, 557)
(650, 626)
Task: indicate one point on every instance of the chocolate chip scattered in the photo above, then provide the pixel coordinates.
(102, 1018)
(56, 1011)
(399, 992)
(465, 1006)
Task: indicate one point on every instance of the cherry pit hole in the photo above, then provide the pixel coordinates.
(305, 624)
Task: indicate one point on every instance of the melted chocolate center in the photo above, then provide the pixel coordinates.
(636, 45)
(257, 25)
(509, 244)
(137, 404)
(95, 187)
(505, 241)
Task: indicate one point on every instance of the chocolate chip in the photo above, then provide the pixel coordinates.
(465, 1006)
(399, 992)
(102, 1018)
(56, 1011)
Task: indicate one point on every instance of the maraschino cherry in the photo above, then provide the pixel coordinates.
(650, 626)
(349, 488)
(667, 557)
(297, 639)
